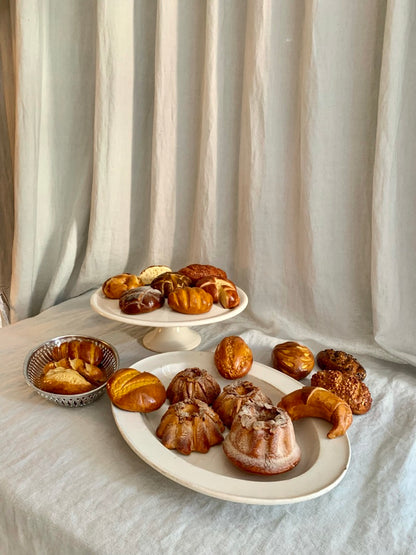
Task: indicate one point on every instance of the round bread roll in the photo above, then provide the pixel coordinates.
(198, 271)
(141, 300)
(293, 359)
(169, 281)
(136, 391)
(151, 272)
(233, 357)
(190, 300)
(115, 286)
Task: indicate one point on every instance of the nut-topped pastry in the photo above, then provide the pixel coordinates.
(329, 359)
(193, 383)
(346, 386)
(234, 396)
(198, 271)
(293, 359)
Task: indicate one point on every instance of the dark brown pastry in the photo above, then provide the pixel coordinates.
(115, 286)
(190, 300)
(318, 402)
(198, 271)
(193, 383)
(233, 357)
(329, 359)
(222, 290)
(293, 359)
(346, 386)
(190, 425)
(169, 281)
(234, 396)
(141, 300)
(136, 391)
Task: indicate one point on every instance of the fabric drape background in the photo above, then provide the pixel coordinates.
(275, 139)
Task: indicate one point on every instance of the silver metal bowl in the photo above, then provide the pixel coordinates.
(39, 356)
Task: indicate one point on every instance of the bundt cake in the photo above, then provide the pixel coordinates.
(262, 440)
(193, 383)
(233, 397)
(190, 425)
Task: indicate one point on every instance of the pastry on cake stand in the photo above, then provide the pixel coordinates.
(171, 331)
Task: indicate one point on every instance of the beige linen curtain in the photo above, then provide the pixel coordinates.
(273, 138)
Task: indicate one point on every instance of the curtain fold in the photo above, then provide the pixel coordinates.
(274, 139)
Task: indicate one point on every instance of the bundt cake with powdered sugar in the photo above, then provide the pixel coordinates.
(262, 440)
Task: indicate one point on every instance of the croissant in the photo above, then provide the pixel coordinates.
(190, 300)
(320, 403)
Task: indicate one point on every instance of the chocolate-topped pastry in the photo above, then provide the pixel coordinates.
(168, 281)
(141, 300)
(329, 359)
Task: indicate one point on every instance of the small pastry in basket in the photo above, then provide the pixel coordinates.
(190, 300)
(319, 403)
(95, 375)
(169, 281)
(198, 271)
(85, 350)
(329, 359)
(151, 272)
(346, 386)
(222, 290)
(293, 359)
(115, 286)
(64, 381)
(136, 391)
(141, 300)
(233, 357)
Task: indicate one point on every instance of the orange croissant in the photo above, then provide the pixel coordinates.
(320, 403)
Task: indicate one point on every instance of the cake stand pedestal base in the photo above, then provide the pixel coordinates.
(175, 338)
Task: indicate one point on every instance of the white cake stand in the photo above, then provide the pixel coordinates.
(171, 330)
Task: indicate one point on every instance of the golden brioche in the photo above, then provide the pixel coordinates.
(233, 357)
(319, 403)
(115, 286)
(135, 391)
(190, 300)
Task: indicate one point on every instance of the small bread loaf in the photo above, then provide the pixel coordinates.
(233, 357)
(329, 359)
(222, 290)
(320, 403)
(85, 350)
(151, 272)
(169, 281)
(190, 300)
(115, 286)
(64, 381)
(293, 359)
(136, 391)
(346, 386)
(141, 300)
(198, 271)
(93, 374)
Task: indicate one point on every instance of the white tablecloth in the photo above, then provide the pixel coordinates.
(69, 483)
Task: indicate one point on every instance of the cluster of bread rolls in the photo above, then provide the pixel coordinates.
(74, 369)
(192, 289)
(336, 391)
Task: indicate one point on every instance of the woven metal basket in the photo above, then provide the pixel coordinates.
(39, 356)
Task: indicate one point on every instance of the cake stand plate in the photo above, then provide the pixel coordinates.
(171, 331)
